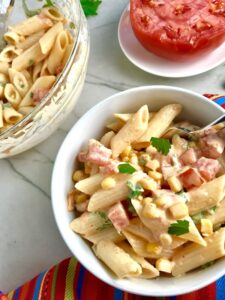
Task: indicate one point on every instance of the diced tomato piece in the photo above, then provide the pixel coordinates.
(211, 146)
(96, 154)
(191, 178)
(117, 215)
(167, 168)
(207, 167)
(189, 157)
(178, 29)
(39, 94)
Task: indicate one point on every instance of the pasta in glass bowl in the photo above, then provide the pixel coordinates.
(137, 262)
(42, 72)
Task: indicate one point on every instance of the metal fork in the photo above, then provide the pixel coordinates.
(5, 10)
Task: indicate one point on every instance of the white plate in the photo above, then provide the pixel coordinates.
(151, 63)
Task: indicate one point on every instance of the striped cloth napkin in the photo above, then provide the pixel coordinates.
(69, 280)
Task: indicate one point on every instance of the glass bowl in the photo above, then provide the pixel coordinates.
(54, 108)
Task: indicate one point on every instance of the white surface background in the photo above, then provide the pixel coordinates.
(29, 239)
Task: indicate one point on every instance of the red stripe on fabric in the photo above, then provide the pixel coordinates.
(46, 287)
(49, 287)
(23, 292)
(208, 293)
(223, 105)
(31, 289)
(61, 280)
(99, 289)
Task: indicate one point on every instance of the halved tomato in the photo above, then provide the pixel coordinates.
(178, 29)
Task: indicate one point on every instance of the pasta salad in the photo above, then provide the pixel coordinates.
(37, 50)
(150, 201)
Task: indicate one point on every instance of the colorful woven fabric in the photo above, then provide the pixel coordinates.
(70, 281)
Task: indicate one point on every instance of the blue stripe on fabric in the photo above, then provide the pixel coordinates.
(118, 294)
(173, 298)
(220, 100)
(220, 284)
(80, 282)
(37, 287)
(16, 294)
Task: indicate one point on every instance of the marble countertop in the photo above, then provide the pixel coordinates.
(29, 239)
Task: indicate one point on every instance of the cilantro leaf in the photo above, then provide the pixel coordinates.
(106, 222)
(179, 228)
(29, 12)
(162, 145)
(49, 3)
(126, 168)
(90, 7)
(135, 190)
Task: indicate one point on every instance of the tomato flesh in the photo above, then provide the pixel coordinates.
(178, 29)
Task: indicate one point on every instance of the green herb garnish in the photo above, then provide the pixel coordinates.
(203, 214)
(179, 228)
(135, 190)
(183, 195)
(30, 12)
(197, 218)
(7, 105)
(31, 95)
(31, 62)
(48, 3)
(2, 84)
(106, 222)
(72, 25)
(162, 145)
(90, 7)
(209, 264)
(126, 168)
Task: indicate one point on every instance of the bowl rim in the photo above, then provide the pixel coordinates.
(79, 256)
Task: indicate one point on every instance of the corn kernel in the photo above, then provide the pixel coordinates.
(155, 175)
(164, 265)
(134, 159)
(148, 184)
(78, 175)
(147, 200)
(87, 169)
(161, 201)
(108, 183)
(175, 184)
(80, 198)
(125, 158)
(140, 198)
(153, 164)
(143, 159)
(71, 200)
(179, 210)
(126, 151)
(150, 211)
(166, 239)
(154, 248)
(206, 227)
(151, 150)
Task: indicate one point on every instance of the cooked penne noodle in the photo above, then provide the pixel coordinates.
(137, 228)
(3, 80)
(44, 69)
(148, 270)
(160, 122)
(90, 185)
(19, 81)
(12, 38)
(67, 55)
(12, 95)
(48, 39)
(52, 13)
(37, 71)
(140, 247)
(28, 58)
(123, 117)
(4, 67)
(32, 25)
(117, 259)
(70, 37)
(9, 53)
(10, 115)
(218, 217)
(57, 52)
(109, 233)
(106, 139)
(206, 196)
(30, 40)
(1, 115)
(192, 256)
(193, 235)
(133, 129)
(25, 110)
(41, 84)
(27, 76)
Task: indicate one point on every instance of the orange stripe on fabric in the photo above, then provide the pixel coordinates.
(61, 280)
(32, 285)
(24, 291)
(125, 296)
(99, 290)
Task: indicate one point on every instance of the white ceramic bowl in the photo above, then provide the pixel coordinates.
(196, 109)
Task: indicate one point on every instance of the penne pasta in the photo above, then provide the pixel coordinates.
(9, 53)
(32, 25)
(109, 233)
(4, 67)
(37, 71)
(52, 13)
(12, 38)
(117, 259)
(67, 54)
(41, 84)
(48, 39)
(160, 122)
(57, 52)
(106, 139)
(3, 81)
(10, 115)
(28, 58)
(1, 115)
(27, 76)
(192, 256)
(206, 196)
(218, 217)
(30, 40)
(133, 129)
(19, 81)
(148, 270)
(25, 110)
(12, 95)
